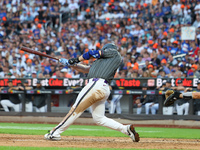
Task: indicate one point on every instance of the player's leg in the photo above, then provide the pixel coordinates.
(29, 107)
(154, 108)
(186, 108)
(113, 104)
(84, 100)
(37, 109)
(139, 110)
(42, 109)
(5, 104)
(16, 107)
(198, 113)
(147, 107)
(98, 114)
(179, 109)
(118, 105)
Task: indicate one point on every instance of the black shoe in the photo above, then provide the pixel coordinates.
(133, 134)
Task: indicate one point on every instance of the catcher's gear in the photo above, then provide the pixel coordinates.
(73, 61)
(170, 97)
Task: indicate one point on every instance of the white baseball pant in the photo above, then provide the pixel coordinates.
(94, 94)
(182, 108)
(7, 103)
(139, 110)
(41, 109)
(198, 113)
(29, 107)
(153, 108)
(115, 104)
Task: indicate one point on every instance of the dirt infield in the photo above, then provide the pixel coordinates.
(98, 142)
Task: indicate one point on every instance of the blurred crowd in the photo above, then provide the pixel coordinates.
(147, 33)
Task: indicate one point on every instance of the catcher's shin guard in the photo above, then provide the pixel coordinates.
(171, 96)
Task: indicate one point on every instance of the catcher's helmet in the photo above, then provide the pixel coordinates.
(109, 45)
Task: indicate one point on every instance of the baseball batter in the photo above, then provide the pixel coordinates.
(95, 93)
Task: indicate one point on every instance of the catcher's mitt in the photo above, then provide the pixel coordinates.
(170, 97)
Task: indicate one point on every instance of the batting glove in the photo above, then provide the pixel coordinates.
(64, 62)
(73, 61)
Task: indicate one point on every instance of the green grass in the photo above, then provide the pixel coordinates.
(87, 130)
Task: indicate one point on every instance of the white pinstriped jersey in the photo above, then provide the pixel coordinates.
(106, 66)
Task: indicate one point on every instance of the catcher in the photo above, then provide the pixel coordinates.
(172, 95)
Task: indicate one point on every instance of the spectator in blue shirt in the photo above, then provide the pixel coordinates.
(185, 47)
(174, 49)
(166, 10)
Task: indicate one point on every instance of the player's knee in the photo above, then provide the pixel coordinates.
(2, 102)
(98, 119)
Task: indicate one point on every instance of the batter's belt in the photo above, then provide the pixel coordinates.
(97, 79)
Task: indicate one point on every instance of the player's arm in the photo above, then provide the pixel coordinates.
(73, 62)
(188, 89)
(20, 88)
(1, 88)
(28, 88)
(174, 88)
(161, 89)
(81, 68)
(89, 54)
(180, 88)
(12, 88)
(85, 56)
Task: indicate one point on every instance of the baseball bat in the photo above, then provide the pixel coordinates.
(26, 49)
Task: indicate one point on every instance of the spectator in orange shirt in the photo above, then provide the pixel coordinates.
(66, 74)
(132, 62)
(151, 71)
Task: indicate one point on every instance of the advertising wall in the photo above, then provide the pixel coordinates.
(124, 83)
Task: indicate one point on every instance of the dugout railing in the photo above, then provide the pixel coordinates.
(128, 86)
(131, 93)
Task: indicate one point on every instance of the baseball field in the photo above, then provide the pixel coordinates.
(23, 136)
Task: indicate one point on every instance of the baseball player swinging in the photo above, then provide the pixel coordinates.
(95, 93)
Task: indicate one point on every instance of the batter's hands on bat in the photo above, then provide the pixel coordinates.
(73, 61)
(64, 61)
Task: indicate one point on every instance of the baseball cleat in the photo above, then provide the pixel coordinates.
(48, 136)
(133, 134)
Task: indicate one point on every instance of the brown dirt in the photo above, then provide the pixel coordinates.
(98, 142)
